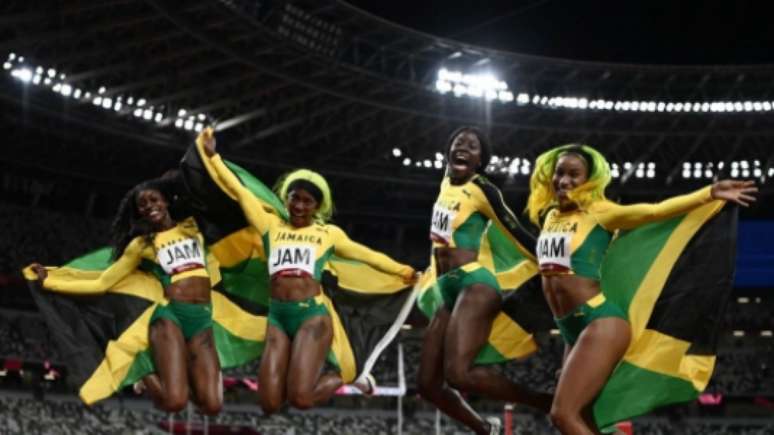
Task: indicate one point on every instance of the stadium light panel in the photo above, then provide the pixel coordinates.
(438, 156)
(438, 164)
(23, 74)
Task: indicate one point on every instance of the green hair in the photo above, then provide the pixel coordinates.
(325, 208)
(542, 196)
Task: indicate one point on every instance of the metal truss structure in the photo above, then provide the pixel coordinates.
(322, 84)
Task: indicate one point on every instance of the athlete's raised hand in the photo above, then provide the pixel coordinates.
(740, 192)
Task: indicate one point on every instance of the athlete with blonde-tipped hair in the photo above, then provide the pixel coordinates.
(568, 198)
(300, 330)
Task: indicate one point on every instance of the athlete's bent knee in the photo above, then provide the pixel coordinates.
(458, 377)
(564, 419)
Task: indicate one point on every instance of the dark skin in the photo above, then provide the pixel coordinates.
(589, 363)
(179, 364)
(291, 370)
(453, 339)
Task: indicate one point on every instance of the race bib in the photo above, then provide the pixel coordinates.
(441, 224)
(553, 249)
(179, 256)
(286, 257)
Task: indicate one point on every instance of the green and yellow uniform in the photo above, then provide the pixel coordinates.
(177, 253)
(575, 243)
(299, 252)
(461, 216)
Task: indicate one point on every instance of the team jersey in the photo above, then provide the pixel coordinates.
(462, 213)
(575, 242)
(176, 253)
(303, 250)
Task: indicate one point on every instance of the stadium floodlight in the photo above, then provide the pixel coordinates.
(97, 101)
(66, 90)
(438, 164)
(428, 163)
(396, 152)
(201, 117)
(107, 103)
(199, 127)
(51, 72)
(159, 117)
(406, 161)
(522, 98)
(708, 173)
(101, 90)
(23, 74)
(137, 112)
(181, 112)
(141, 102)
(771, 172)
(147, 114)
(418, 163)
(686, 173)
(178, 122)
(651, 173)
(438, 156)
(77, 93)
(11, 56)
(189, 125)
(7, 65)
(117, 107)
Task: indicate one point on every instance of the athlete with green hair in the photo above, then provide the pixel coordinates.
(568, 197)
(300, 329)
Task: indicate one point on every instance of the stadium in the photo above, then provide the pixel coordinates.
(98, 97)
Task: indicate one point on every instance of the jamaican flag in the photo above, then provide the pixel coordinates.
(104, 337)
(367, 306)
(673, 279)
(524, 309)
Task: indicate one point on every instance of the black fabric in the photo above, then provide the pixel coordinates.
(527, 306)
(365, 317)
(216, 214)
(515, 227)
(698, 289)
(81, 326)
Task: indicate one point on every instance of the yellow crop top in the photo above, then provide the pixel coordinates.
(462, 212)
(304, 249)
(179, 253)
(575, 242)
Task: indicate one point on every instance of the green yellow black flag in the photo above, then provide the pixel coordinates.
(524, 310)
(673, 279)
(104, 337)
(367, 306)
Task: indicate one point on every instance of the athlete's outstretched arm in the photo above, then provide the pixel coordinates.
(107, 279)
(614, 216)
(346, 248)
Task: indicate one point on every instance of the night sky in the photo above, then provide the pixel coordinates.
(654, 32)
